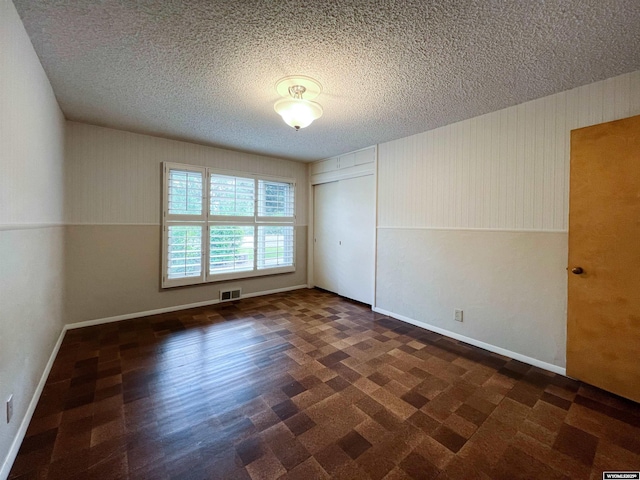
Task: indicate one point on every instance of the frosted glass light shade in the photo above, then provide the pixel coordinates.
(298, 113)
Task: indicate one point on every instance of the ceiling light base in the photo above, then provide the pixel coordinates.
(312, 87)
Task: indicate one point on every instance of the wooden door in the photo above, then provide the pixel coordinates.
(603, 311)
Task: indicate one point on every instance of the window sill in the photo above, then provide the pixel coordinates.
(221, 277)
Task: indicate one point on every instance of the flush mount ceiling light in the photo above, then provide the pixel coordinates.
(296, 111)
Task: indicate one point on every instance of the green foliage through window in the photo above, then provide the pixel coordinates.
(231, 248)
(184, 251)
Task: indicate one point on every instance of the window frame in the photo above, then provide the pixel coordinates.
(206, 221)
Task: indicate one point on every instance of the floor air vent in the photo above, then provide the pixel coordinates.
(226, 295)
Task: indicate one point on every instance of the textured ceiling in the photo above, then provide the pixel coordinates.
(205, 71)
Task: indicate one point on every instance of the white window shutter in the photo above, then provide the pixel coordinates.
(219, 226)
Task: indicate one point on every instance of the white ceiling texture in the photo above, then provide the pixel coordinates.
(205, 71)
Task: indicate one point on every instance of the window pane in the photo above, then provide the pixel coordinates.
(232, 196)
(231, 248)
(275, 199)
(275, 247)
(185, 192)
(184, 254)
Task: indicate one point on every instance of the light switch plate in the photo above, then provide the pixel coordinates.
(9, 408)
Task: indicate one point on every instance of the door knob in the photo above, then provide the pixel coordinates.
(577, 270)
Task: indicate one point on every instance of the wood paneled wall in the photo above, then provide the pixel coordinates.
(504, 170)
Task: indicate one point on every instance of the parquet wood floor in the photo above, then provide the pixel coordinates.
(308, 385)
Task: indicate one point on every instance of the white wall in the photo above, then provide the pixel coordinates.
(31, 231)
(113, 207)
(475, 214)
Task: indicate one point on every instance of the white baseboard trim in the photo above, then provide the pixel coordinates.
(174, 308)
(276, 290)
(477, 343)
(17, 441)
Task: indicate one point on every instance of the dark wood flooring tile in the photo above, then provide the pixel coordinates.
(450, 439)
(338, 383)
(70, 465)
(415, 399)
(369, 406)
(35, 452)
(345, 372)
(424, 422)
(468, 412)
(290, 452)
(516, 463)
(291, 390)
(375, 463)
(332, 458)
(310, 468)
(632, 418)
(379, 378)
(576, 443)
(555, 400)
(307, 385)
(39, 442)
(250, 450)
(299, 423)
(388, 420)
(285, 409)
(354, 444)
(418, 467)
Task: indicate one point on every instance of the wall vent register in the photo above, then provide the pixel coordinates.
(226, 295)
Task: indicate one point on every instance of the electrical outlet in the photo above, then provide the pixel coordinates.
(9, 408)
(457, 315)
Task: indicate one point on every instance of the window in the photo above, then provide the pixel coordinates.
(221, 226)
